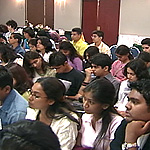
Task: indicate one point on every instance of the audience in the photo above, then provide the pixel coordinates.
(97, 37)
(124, 56)
(70, 52)
(146, 44)
(13, 105)
(101, 119)
(77, 41)
(28, 135)
(47, 95)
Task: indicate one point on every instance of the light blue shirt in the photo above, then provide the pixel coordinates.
(13, 109)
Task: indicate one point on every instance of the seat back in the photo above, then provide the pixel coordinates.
(134, 51)
(112, 49)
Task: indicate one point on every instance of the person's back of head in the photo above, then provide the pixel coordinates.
(30, 31)
(5, 78)
(146, 41)
(12, 23)
(28, 135)
(17, 36)
(99, 33)
(102, 60)
(145, 56)
(78, 30)
(57, 59)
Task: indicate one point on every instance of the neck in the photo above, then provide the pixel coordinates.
(98, 43)
(126, 61)
(15, 45)
(68, 68)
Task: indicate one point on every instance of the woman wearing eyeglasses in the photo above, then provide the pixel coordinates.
(36, 67)
(47, 95)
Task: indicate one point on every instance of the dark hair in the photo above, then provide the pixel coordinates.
(17, 36)
(99, 33)
(33, 41)
(3, 28)
(146, 41)
(7, 53)
(102, 60)
(5, 77)
(12, 23)
(57, 59)
(124, 50)
(31, 55)
(51, 86)
(145, 56)
(28, 135)
(103, 92)
(45, 41)
(66, 45)
(44, 33)
(23, 83)
(30, 31)
(139, 67)
(78, 30)
(143, 87)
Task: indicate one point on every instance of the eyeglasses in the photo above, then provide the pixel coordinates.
(34, 95)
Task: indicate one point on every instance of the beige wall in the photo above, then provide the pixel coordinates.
(10, 9)
(69, 15)
(135, 17)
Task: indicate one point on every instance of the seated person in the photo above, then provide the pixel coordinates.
(47, 95)
(134, 132)
(146, 44)
(134, 70)
(28, 135)
(97, 37)
(64, 71)
(13, 105)
(101, 120)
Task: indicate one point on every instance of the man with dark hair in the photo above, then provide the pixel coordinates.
(13, 105)
(77, 41)
(146, 44)
(11, 25)
(100, 67)
(134, 132)
(15, 40)
(64, 71)
(28, 135)
(97, 37)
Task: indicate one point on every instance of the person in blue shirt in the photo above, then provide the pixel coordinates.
(13, 105)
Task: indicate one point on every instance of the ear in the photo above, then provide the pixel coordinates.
(106, 68)
(51, 102)
(105, 106)
(7, 89)
(66, 62)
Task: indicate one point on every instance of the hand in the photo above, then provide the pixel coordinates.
(135, 129)
(88, 73)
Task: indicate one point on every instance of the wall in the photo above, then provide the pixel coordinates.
(10, 9)
(67, 15)
(134, 17)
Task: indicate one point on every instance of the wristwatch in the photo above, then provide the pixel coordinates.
(127, 146)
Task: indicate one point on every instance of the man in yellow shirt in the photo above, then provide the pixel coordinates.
(77, 41)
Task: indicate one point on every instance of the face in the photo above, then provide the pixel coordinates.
(131, 75)
(32, 47)
(98, 70)
(75, 36)
(65, 52)
(122, 58)
(146, 48)
(38, 99)
(40, 46)
(36, 63)
(59, 69)
(137, 108)
(26, 35)
(9, 28)
(90, 106)
(12, 40)
(96, 38)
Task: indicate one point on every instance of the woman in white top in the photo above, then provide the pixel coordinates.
(101, 120)
(47, 95)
